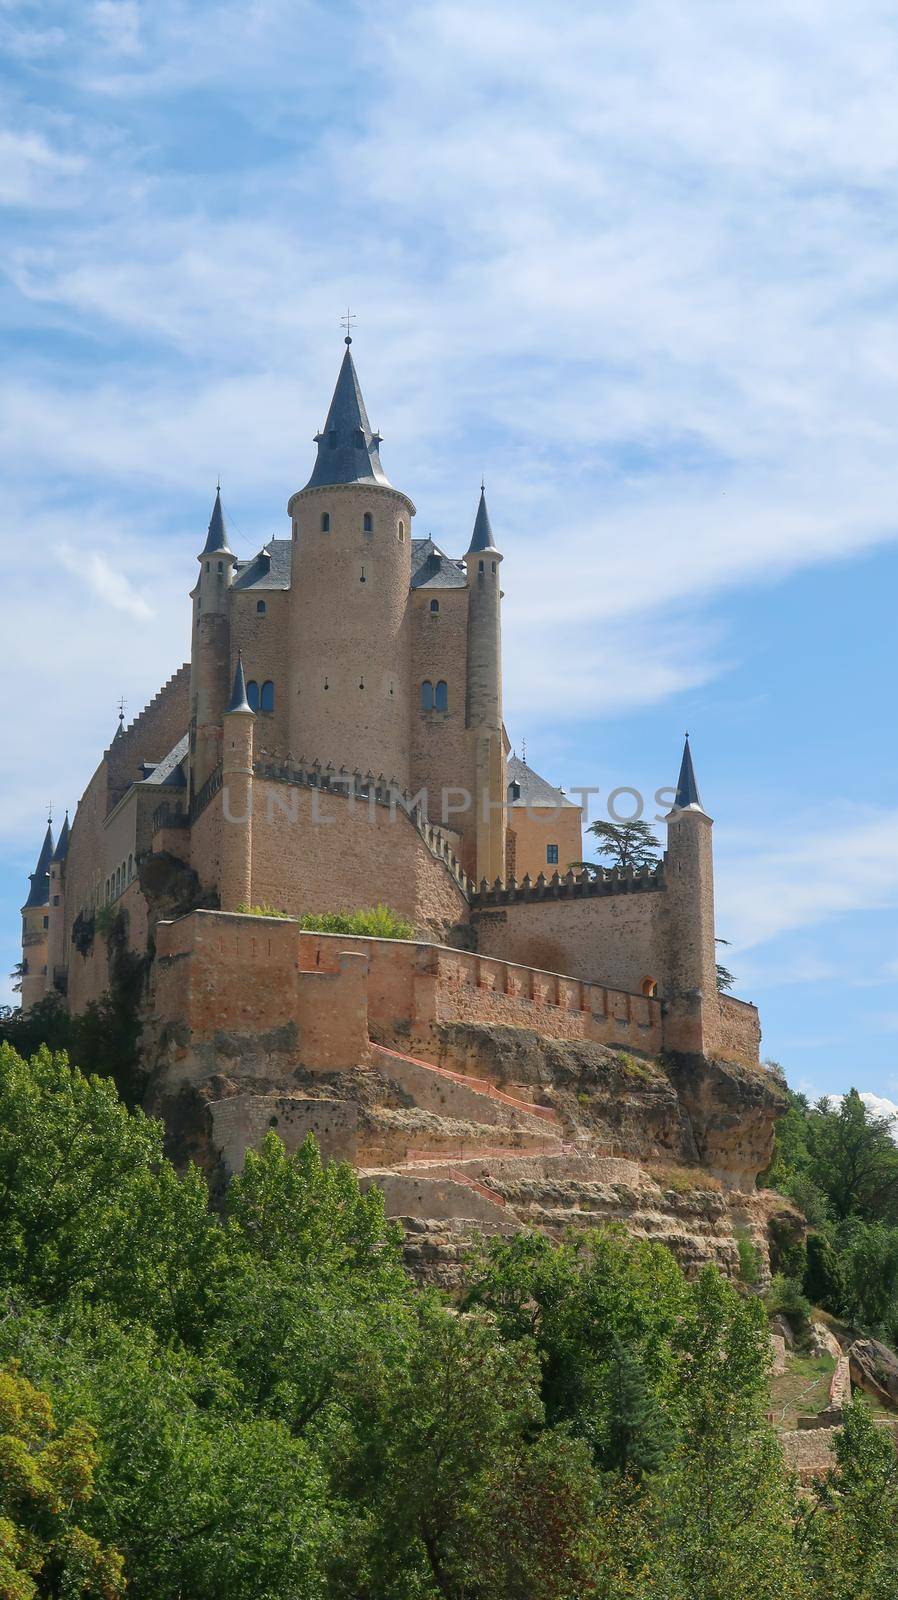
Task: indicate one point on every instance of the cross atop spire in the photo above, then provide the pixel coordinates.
(347, 444)
(347, 323)
(217, 537)
(687, 788)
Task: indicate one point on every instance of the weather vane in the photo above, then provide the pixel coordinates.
(347, 323)
(121, 712)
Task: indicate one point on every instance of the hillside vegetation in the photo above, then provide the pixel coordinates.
(260, 1405)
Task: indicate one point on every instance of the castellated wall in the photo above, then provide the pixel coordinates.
(734, 1030)
(618, 939)
(313, 850)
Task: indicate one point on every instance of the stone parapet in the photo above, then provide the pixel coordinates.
(570, 886)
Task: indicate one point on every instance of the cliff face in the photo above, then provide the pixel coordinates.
(498, 1128)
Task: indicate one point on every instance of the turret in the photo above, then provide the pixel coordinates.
(35, 926)
(57, 962)
(689, 876)
(350, 632)
(484, 696)
(210, 648)
(236, 882)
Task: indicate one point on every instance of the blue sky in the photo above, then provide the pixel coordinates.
(635, 262)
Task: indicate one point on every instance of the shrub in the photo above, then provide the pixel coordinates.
(260, 911)
(785, 1295)
(377, 922)
(749, 1260)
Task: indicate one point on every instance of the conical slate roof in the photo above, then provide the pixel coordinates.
(39, 894)
(62, 847)
(347, 447)
(238, 700)
(482, 536)
(687, 788)
(217, 537)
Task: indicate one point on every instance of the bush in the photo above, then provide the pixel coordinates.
(749, 1260)
(785, 1296)
(378, 922)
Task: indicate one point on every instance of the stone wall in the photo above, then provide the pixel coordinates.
(619, 939)
(264, 639)
(734, 1030)
(441, 750)
(241, 1121)
(316, 850)
(534, 828)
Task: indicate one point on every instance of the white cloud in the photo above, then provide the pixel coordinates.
(33, 173)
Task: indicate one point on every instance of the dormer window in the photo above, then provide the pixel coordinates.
(325, 522)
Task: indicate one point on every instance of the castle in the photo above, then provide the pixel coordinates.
(336, 740)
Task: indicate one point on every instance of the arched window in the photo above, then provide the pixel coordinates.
(266, 702)
(130, 868)
(649, 988)
(480, 566)
(427, 695)
(493, 565)
(221, 566)
(434, 607)
(252, 694)
(325, 522)
(401, 532)
(441, 696)
(368, 522)
(261, 608)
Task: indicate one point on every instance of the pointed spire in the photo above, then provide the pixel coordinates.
(217, 537)
(239, 701)
(482, 536)
(39, 894)
(62, 847)
(347, 445)
(687, 788)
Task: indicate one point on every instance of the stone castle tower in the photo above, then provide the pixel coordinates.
(336, 741)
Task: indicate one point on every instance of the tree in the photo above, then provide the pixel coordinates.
(725, 978)
(626, 845)
(849, 1536)
(639, 1435)
(46, 1478)
(853, 1158)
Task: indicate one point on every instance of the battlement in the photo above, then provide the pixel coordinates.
(571, 886)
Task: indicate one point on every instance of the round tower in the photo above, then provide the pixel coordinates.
(210, 649)
(35, 927)
(691, 959)
(57, 962)
(484, 697)
(349, 611)
(236, 872)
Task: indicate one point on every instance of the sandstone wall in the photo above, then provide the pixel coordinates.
(534, 828)
(241, 1122)
(618, 939)
(733, 1030)
(442, 757)
(265, 641)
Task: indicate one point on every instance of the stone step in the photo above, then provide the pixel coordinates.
(455, 1094)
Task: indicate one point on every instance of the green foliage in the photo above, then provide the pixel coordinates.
(260, 1405)
(626, 845)
(46, 1478)
(378, 922)
(787, 1296)
(824, 1281)
(749, 1260)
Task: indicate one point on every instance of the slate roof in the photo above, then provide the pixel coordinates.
(270, 569)
(217, 537)
(39, 893)
(433, 569)
(535, 791)
(62, 843)
(170, 770)
(239, 701)
(482, 536)
(687, 788)
(347, 445)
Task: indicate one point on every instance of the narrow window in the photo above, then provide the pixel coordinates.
(493, 564)
(480, 566)
(368, 522)
(441, 696)
(427, 695)
(207, 566)
(252, 694)
(46, 922)
(130, 868)
(552, 855)
(363, 579)
(649, 988)
(221, 566)
(325, 522)
(514, 791)
(434, 607)
(401, 532)
(266, 702)
(261, 608)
